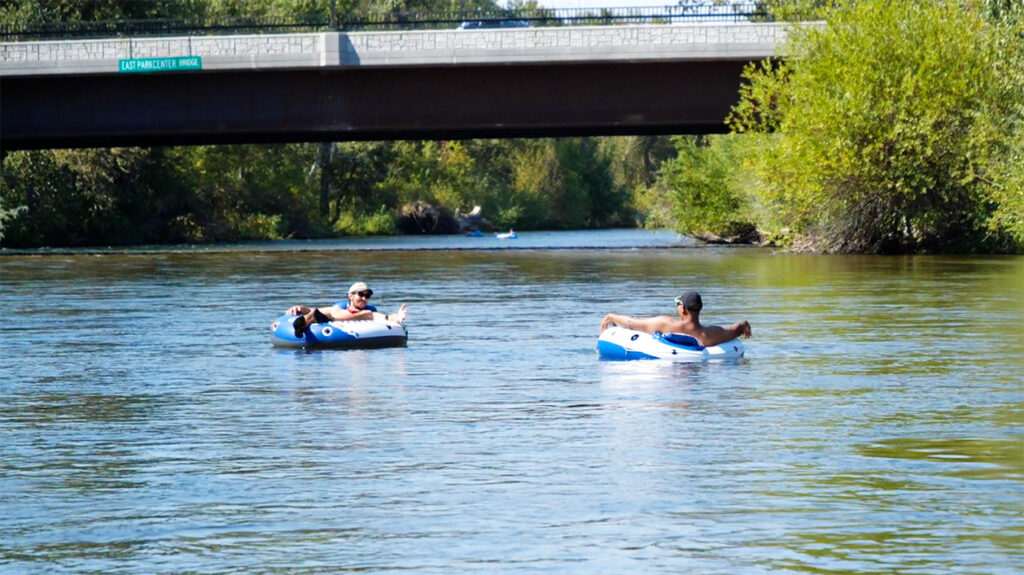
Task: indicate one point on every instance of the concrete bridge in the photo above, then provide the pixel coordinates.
(448, 84)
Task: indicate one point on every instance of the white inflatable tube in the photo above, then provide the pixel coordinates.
(621, 343)
(352, 334)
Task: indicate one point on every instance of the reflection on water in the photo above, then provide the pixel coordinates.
(875, 425)
(974, 458)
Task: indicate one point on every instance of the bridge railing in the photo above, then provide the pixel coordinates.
(376, 21)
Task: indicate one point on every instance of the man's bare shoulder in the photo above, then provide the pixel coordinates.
(675, 325)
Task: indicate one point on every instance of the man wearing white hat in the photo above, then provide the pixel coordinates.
(357, 307)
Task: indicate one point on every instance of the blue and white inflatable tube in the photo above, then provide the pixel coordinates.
(352, 334)
(621, 343)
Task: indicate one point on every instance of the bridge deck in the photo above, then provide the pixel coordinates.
(749, 41)
(379, 85)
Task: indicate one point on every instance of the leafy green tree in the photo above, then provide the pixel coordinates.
(549, 186)
(707, 195)
(797, 10)
(493, 169)
(635, 162)
(543, 183)
(414, 171)
(444, 173)
(32, 180)
(889, 124)
(359, 170)
(27, 13)
(267, 9)
(88, 197)
(588, 168)
(246, 192)
(1007, 185)
(7, 215)
(1008, 195)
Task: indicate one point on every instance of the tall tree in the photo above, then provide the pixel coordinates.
(890, 125)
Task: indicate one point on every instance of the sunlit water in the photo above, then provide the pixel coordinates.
(148, 426)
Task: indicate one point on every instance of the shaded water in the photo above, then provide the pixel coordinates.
(876, 425)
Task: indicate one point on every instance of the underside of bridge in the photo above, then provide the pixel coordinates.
(378, 103)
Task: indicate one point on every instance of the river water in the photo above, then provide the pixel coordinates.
(148, 426)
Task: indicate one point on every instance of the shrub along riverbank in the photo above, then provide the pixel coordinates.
(896, 127)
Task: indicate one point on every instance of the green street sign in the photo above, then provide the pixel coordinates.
(178, 64)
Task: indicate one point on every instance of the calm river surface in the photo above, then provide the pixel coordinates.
(148, 426)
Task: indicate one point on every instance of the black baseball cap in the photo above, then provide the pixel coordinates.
(691, 301)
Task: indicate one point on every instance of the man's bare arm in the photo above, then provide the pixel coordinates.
(715, 334)
(662, 323)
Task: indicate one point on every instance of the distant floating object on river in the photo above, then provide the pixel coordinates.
(474, 223)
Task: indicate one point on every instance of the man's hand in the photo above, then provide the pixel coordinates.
(399, 316)
(744, 327)
(607, 321)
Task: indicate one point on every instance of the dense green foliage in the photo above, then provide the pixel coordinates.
(797, 10)
(28, 13)
(222, 193)
(704, 185)
(8, 214)
(894, 128)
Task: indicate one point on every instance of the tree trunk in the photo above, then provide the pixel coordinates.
(323, 159)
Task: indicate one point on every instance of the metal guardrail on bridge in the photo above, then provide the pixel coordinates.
(321, 22)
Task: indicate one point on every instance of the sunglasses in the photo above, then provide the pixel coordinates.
(367, 294)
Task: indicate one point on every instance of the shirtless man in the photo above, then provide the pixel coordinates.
(357, 307)
(688, 306)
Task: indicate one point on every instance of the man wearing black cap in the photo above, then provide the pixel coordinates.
(688, 306)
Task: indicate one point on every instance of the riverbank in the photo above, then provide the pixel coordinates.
(613, 239)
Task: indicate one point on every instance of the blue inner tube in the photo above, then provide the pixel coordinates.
(353, 334)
